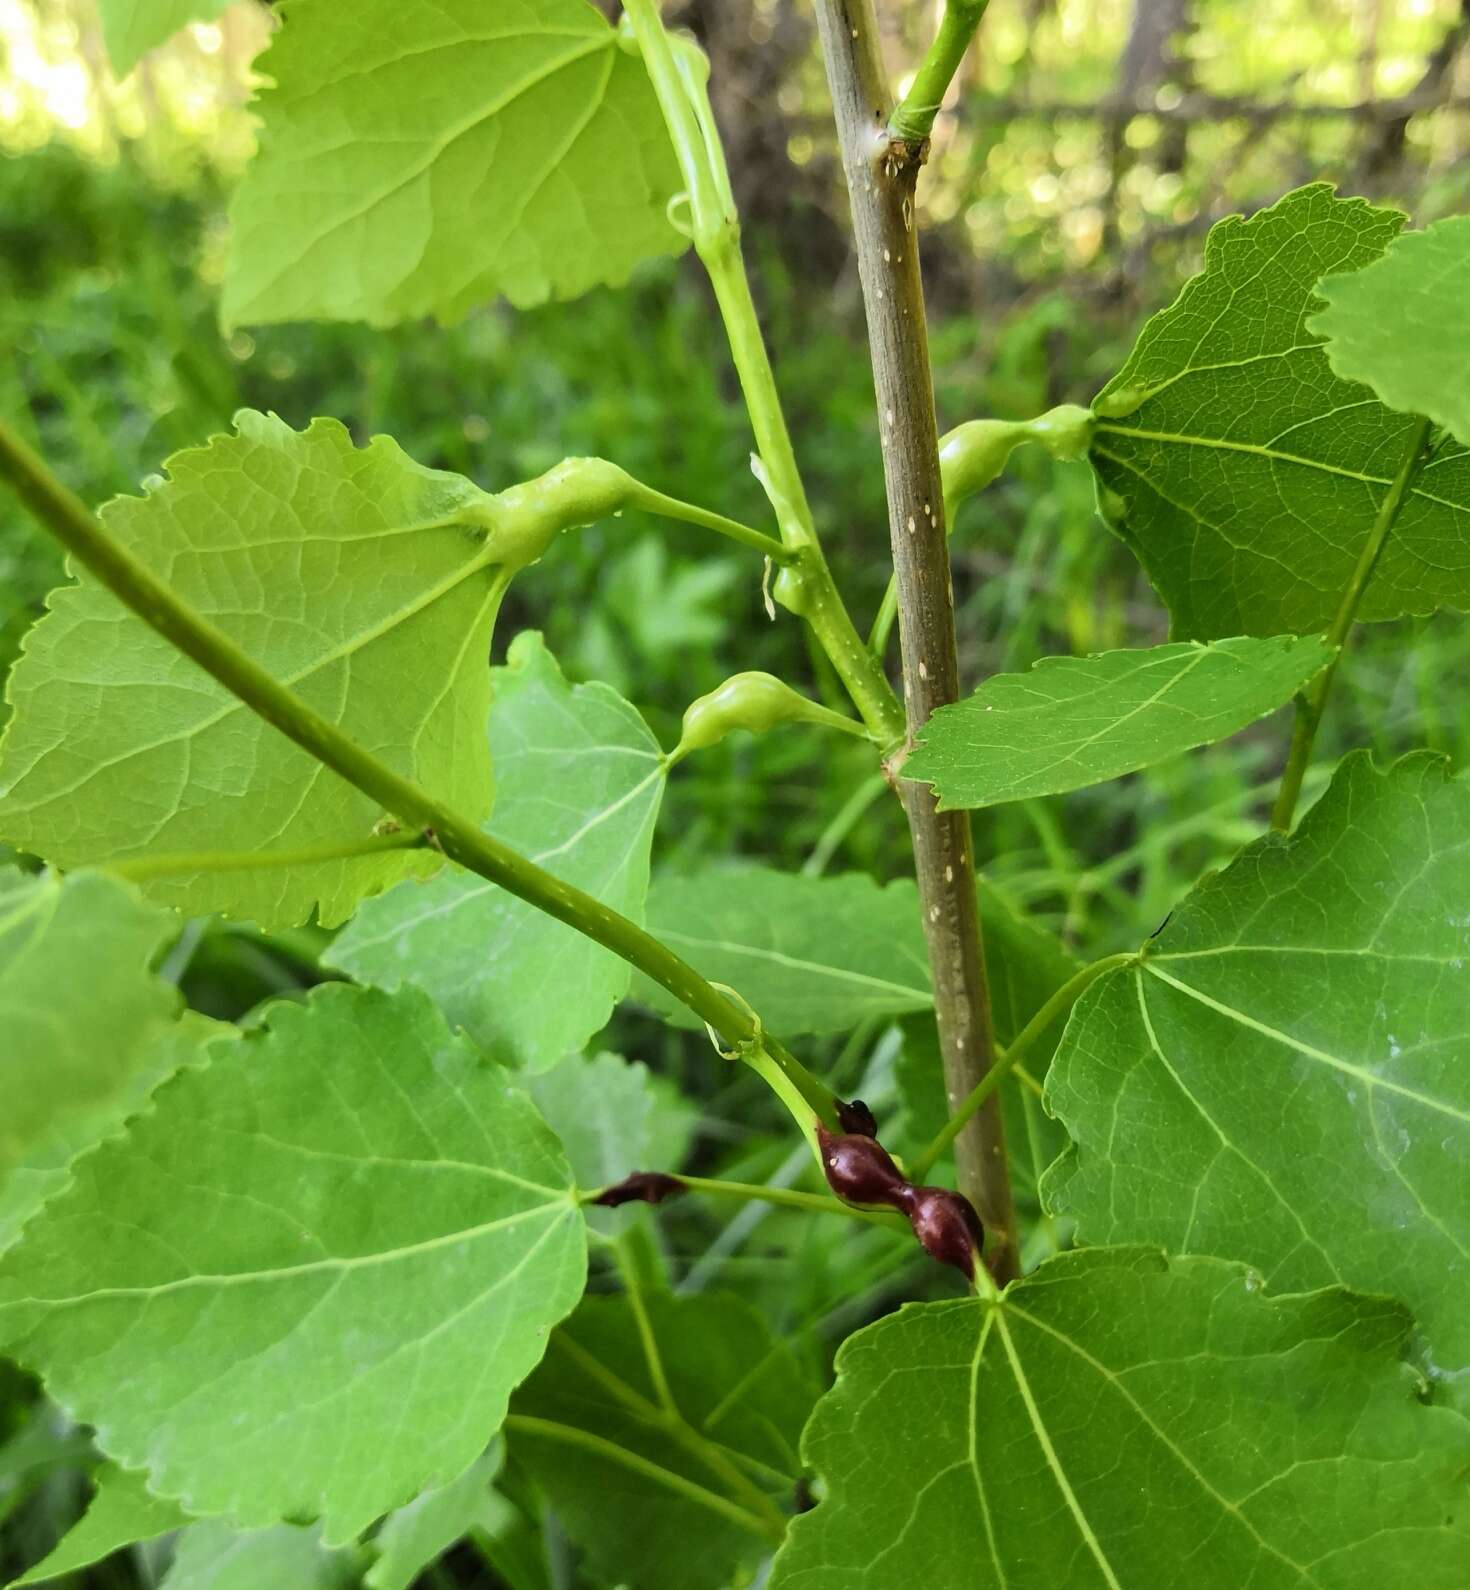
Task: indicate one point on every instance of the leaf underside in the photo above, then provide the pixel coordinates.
(808, 954)
(1121, 1419)
(613, 1116)
(212, 1556)
(346, 1226)
(1285, 1078)
(1074, 721)
(1402, 324)
(419, 157)
(579, 778)
(1244, 473)
(356, 576)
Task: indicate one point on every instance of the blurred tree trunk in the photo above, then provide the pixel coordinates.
(1385, 151)
(1152, 57)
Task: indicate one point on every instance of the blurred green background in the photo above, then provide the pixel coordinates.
(1087, 146)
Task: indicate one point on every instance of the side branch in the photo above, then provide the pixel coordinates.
(881, 173)
(914, 118)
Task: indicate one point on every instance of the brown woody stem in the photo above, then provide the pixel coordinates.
(882, 172)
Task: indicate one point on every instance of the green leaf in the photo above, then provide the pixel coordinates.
(1242, 471)
(1121, 1419)
(808, 954)
(130, 28)
(415, 1536)
(642, 1495)
(343, 1241)
(1402, 325)
(613, 1116)
(365, 581)
(1074, 721)
(1285, 1078)
(1024, 967)
(418, 157)
(579, 779)
(212, 1556)
(122, 1512)
(89, 1028)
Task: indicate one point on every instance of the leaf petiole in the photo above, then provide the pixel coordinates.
(1312, 702)
(141, 869)
(1059, 1003)
(913, 120)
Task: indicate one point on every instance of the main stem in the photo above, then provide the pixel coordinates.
(138, 588)
(1312, 703)
(882, 173)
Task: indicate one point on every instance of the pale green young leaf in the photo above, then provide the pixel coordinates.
(1244, 473)
(1074, 721)
(213, 1556)
(419, 157)
(579, 779)
(1285, 1078)
(366, 582)
(808, 954)
(1402, 324)
(613, 1116)
(645, 1504)
(1024, 967)
(345, 1224)
(414, 1536)
(89, 1028)
(122, 1512)
(1121, 1419)
(130, 28)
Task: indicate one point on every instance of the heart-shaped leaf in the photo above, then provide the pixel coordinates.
(1120, 1419)
(1285, 1076)
(346, 1224)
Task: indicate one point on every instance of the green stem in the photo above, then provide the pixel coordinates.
(1312, 702)
(652, 1357)
(657, 502)
(787, 1198)
(610, 1451)
(805, 586)
(141, 869)
(664, 1415)
(1060, 1002)
(139, 589)
(913, 120)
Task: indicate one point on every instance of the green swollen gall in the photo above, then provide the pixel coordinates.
(757, 702)
(974, 454)
(578, 491)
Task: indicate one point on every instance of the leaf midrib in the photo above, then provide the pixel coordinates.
(793, 963)
(331, 1265)
(1275, 455)
(1309, 1051)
